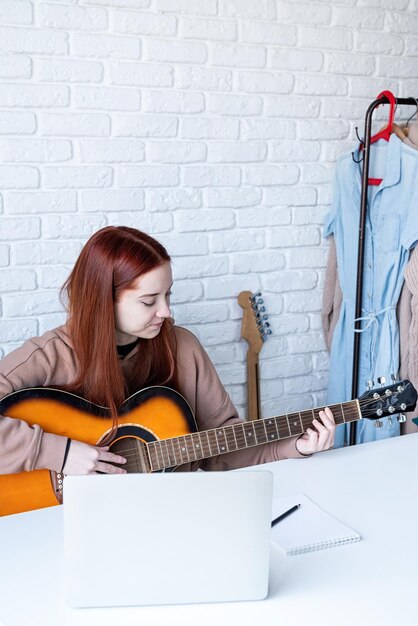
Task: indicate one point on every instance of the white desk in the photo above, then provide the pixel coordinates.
(372, 488)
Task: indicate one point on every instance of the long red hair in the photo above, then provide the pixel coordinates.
(109, 263)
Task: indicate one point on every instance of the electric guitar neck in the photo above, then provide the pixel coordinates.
(254, 329)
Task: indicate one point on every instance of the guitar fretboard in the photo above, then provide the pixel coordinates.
(167, 453)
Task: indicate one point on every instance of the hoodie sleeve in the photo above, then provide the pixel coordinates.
(25, 447)
(213, 408)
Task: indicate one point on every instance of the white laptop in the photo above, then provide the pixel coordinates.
(173, 538)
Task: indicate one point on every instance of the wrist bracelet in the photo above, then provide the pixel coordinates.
(67, 448)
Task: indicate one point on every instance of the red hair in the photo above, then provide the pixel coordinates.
(110, 262)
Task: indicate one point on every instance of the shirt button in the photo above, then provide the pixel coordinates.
(369, 265)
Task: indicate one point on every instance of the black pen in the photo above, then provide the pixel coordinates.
(285, 514)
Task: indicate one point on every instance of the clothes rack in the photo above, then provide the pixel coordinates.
(382, 99)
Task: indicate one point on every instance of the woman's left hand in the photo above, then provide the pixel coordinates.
(319, 438)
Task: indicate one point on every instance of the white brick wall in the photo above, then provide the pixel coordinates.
(212, 124)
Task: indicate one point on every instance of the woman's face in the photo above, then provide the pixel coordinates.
(140, 311)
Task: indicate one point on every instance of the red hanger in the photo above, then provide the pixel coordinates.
(387, 130)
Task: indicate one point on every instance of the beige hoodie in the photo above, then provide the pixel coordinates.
(50, 360)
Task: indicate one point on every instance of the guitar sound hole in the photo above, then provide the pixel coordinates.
(134, 451)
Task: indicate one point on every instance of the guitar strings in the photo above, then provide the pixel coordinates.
(349, 411)
(280, 421)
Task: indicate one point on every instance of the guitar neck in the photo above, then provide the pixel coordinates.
(166, 453)
(253, 386)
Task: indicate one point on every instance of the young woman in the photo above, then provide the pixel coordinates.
(118, 339)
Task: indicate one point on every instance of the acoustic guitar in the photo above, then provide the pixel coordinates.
(255, 329)
(157, 431)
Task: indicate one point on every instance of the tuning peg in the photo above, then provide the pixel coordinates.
(370, 384)
(268, 331)
(401, 418)
(257, 295)
(266, 324)
(262, 309)
(265, 317)
(381, 380)
(390, 420)
(378, 424)
(394, 378)
(260, 301)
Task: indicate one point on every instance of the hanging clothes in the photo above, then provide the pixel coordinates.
(410, 133)
(391, 231)
(407, 133)
(406, 313)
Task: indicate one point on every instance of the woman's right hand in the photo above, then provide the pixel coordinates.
(85, 459)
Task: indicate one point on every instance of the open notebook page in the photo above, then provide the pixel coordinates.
(309, 528)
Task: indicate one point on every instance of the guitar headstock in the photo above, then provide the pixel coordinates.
(255, 328)
(399, 397)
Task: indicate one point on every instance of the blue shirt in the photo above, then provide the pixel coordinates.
(391, 231)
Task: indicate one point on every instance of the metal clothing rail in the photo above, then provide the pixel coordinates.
(362, 224)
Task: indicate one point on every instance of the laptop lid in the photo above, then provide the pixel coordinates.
(175, 538)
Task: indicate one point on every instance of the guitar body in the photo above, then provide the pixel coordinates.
(148, 415)
(157, 431)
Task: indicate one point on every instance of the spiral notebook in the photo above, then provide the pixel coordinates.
(309, 528)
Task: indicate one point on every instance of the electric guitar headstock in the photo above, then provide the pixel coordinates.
(393, 399)
(255, 328)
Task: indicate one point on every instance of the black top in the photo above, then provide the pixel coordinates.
(124, 350)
